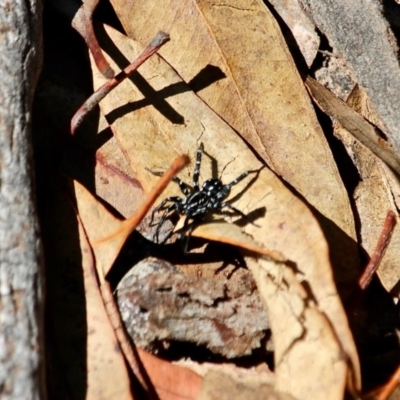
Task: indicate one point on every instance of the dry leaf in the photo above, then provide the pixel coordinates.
(99, 223)
(260, 95)
(376, 194)
(378, 190)
(260, 374)
(361, 129)
(171, 382)
(114, 180)
(151, 137)
(301, 26)
(309, 360)
(84, 342)
(220, 386)
(107, 376)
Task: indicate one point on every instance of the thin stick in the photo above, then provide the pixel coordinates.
(376, 258)
(390, 386)
(130, 224)
(159, 40)
(83, 24)
(112, 311)
(116, 322)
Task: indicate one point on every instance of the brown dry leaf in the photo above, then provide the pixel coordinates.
(114, 180)
(107, 376)
(261, 374)
(377, 192)
(99, 223)
(308, 356)
(361, 129)
(220, 386)
(151, 137)
(85, 345)
(234, 235)
(258, 92)
(170, 381)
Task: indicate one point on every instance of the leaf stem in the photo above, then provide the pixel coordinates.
(159, 40)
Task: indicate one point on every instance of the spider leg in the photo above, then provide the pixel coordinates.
(173, 199)
(189, 233)
(185, 188)
(196, 172)
(225, 190)
(163, 218)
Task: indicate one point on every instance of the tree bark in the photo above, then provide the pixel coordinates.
(359, 32)
(21, 279)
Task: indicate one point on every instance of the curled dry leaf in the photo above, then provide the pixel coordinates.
(378, 190)
(171, 382)
(217, 385)
(303, 338)
(361, 129)
(258, 91)
(170, 120)
(81, 336)
(105, 361)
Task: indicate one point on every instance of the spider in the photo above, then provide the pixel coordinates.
(198, 201)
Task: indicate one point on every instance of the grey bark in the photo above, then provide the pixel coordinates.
(21, 277)
(358, 31)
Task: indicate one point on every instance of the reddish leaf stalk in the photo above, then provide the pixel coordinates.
(390, 386)
(159, 40)
(376, 258)
(130, 224)
(83, 24)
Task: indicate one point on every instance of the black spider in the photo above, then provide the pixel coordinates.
(199, 200)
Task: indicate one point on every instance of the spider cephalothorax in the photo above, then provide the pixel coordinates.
(199, 200)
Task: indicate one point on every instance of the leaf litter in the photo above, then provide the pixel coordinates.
(279, 230)
(295, 281)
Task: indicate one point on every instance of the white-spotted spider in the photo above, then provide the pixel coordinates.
(198, 201)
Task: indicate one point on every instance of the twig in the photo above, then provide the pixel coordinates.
(111, 309)
(130, 224)
(83, 24)
(126, 346)
(376, 258)
(383, 392)
(159, 40)
(394, 381)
